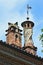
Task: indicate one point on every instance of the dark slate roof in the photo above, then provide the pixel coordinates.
(23, 23)
(20, 50)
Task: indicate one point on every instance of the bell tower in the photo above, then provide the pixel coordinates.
(28, 31)
(13, 36)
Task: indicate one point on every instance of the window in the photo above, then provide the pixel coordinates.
(28, 25)
(16, 36)
(11, 28)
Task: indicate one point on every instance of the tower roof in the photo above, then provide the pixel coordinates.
(29, 22)
(14, 26)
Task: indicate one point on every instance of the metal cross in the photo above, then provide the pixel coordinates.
(28, 7)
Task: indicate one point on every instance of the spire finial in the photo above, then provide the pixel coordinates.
(28, 7)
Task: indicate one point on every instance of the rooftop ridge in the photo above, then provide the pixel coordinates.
(17, 48)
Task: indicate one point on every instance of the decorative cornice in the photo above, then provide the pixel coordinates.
(34, 48)
(13, 28)
(14, 32)
(23, 23)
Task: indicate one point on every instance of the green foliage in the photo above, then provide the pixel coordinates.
(42, 50)
(41, 30)
(41, 38)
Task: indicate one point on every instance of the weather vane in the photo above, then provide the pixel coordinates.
(28, 7)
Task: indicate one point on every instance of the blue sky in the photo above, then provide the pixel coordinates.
(15, 11)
